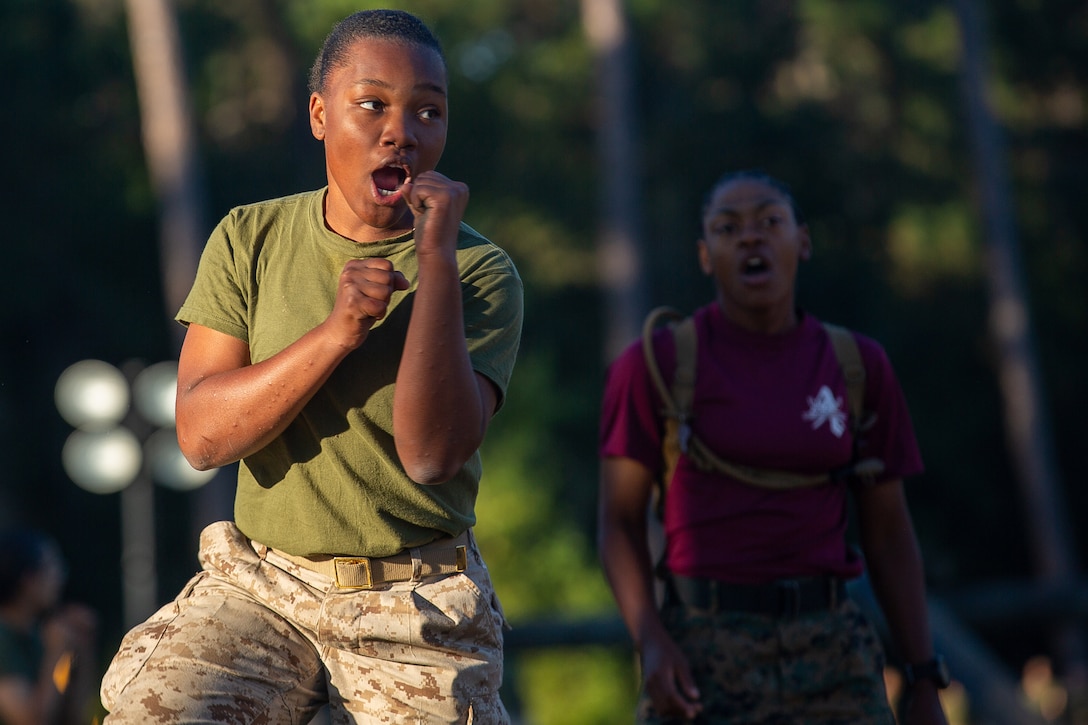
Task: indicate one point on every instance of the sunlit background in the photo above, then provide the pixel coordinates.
(940, 155)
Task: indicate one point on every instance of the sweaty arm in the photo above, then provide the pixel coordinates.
(441, 406)
(895, 568)
(228, 408)
(625, 491)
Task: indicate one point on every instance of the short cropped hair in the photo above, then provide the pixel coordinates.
(762, 177)
(396, 25)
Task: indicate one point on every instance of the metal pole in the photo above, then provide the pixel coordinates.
(138, 571)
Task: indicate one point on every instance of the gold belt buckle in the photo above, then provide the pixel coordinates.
(364, 562)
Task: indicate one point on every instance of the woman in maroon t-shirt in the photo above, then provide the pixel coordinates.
(756, 625)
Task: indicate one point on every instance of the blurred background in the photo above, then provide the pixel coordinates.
(938, 149)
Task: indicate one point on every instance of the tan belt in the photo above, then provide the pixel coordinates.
(445, 556)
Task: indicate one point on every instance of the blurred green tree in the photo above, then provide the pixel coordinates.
(854, 103)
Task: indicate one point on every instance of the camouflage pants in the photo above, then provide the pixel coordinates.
(823, 668)
(254, 639)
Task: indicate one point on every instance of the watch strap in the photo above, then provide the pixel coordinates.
(935, 669)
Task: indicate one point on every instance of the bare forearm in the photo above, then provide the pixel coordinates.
(898, 582)
(229, 415)
(626, 561)
(439, 413)
(623, 544)
(896, 570)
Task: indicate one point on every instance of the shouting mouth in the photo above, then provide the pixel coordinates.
(755, 266)
(388, 181)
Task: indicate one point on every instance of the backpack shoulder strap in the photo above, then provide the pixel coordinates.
(853, 369)
(656, 316)
(683, 384)
(677, 403)
(677, 397)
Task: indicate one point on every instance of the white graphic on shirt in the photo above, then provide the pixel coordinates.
(826, 408)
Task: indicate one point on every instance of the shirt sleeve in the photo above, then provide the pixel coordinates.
(219, 298)
(631, 424)
(494, 313)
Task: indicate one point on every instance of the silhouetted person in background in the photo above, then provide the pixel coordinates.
(47, 664)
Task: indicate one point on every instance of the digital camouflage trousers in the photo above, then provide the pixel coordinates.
(255, 639)
(825, 667)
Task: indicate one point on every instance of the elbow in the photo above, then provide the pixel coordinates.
(430, 467)
(205, 442)
(198, 450)
(198, 457)
(430, 473)
(201, 463)
(431, 461)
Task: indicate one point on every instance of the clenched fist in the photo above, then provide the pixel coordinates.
(362, 297)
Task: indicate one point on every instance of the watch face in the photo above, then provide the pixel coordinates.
(935, 669)
(942, 677)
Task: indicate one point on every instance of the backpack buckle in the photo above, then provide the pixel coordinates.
(683, 434)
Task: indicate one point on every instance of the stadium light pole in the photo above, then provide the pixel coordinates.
(124, 441)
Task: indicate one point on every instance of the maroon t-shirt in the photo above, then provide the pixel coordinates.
(769, 401)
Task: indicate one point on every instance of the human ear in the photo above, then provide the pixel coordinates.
(806, 242)
(317, 116)
(704, 258)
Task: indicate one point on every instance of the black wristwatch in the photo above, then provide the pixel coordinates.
(935, 669)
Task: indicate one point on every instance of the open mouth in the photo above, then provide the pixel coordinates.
(755, 266)
(389, 179)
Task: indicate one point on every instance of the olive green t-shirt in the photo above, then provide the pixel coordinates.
(332, 483)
